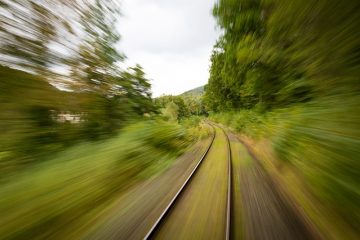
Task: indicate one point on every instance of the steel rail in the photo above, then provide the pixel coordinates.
(228, 205)
(173, 200)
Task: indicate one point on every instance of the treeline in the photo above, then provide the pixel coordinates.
(288, 71)
(278, 53)
(175, 108)
(61, 78)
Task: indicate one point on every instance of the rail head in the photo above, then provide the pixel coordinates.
(228, 206)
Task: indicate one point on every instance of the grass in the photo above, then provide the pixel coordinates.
(50, 200)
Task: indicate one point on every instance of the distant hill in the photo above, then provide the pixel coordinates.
(194, 92)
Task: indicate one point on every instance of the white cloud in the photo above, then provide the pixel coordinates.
(172, 40)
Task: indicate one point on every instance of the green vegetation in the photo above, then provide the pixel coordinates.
(180, 107)
(187, 110)
(44, 111)
(53, 199)
(77, 129)
(289, 72)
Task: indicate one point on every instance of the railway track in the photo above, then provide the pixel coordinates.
(159, 223)
(211, 200)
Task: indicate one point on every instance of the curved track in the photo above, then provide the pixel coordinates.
(178, 198)
(252, 196)
(225, 194)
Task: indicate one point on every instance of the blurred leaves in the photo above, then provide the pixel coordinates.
(65, 97)
(55, 198)
(181, 106)
(61, 78)
(289, 71)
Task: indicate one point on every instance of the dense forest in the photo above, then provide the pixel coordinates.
(289, 72)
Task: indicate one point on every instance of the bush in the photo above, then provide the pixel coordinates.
(320, 139)
(53, 196)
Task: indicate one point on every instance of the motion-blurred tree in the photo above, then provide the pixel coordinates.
(277, 54)
(61, 77)
(139, 89)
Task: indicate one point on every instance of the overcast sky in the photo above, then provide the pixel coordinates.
(171, 39)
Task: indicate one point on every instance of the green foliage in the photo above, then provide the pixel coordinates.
(245, 121)
(274, 54)
(289, 71)
(47, 200)
(99, 98)
(188, 105)
(171, 112)
(163, 101)
(318, 141)
(195, 127)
